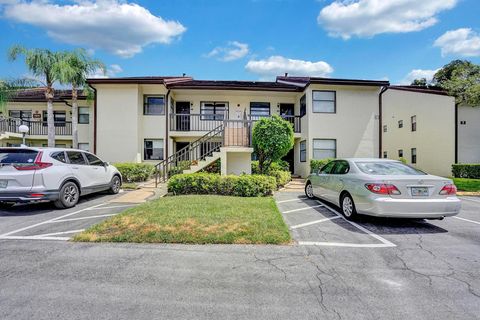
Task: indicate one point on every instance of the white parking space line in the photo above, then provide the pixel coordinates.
(305, 208)
(290, 200)
(469, 199)
(348, 245)
(112, 207)
(472, 221)
(370, 233)
(56, 233)
(34, 238)
(84, 218)
(313, 222)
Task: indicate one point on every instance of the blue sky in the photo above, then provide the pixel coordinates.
(250, 39)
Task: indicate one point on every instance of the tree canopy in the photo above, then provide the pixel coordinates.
(272, 140)
(460, 78)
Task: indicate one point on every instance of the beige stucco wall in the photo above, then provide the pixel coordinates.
(354, 125)
(469, 134)
(236, 160)
(85, 131)
(435, 135)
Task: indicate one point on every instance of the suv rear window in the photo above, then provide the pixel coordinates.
(17, 155)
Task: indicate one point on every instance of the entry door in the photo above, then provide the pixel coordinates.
(182, 121)
(287, 110)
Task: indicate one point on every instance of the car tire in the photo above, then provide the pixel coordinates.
(68, 196)
(309, 191)
(348, 207)
(6, 205)
(115, 185)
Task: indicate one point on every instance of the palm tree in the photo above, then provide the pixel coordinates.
(8, 89)
(73, 69)
(41, 63)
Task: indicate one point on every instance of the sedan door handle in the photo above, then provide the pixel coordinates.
(74, 167)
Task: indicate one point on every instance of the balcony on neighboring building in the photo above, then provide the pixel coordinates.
(36, 128)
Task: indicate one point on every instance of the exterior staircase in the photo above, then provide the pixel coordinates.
(202, 152)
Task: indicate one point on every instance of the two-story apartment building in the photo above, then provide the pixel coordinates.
(29, 107)
(151, 119)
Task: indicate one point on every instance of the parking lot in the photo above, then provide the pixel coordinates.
(42, 221)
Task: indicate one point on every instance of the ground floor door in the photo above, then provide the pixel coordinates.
(182, 121)
(290, 159)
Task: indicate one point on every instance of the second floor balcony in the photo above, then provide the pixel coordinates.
(208, 122)
(36, 128)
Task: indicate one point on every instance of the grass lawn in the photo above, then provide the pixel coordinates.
(464, 184)
(196, 219)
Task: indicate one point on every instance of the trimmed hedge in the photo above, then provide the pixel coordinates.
(471, 171)
(278, 165)
(282, 177)
(318, 164)
(135, 172)
(210, 183)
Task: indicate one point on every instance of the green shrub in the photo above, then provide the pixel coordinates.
(316, 165)
(135, 172)
(277, 165)
(181, 165)
(471, 171)
(281, 177)
(214, 167)
(209, 183)
(402, 160)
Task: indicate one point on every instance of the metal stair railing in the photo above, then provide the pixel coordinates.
(195, 151)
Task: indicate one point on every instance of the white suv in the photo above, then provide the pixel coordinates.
(56, 174)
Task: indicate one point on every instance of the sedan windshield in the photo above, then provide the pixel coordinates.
(387, 168)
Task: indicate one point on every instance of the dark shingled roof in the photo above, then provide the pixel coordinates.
(38, 95)
(233, 85)
(139, 80)
(332, 81)
(431, 90)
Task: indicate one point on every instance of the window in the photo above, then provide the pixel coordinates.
(400, 123)
(59, 156)
(85, 146)
(414, 123)
(327, 168)
(400, 153)
(83, 115)
(93, 160)
(385, 128)
(324, 148)
(324, 101)
(414, 155)
(303, 105)
(463, 122)
(303, 151)
(76, 157)
(259, 110)
(153, 105)
(17, 155)
(341, 167)
(153, 149)
(387, 168)
(213, 110)
(20, 114)
(385, 155)
(59, 117)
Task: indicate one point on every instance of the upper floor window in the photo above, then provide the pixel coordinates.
(303, 151)
(400, 153)
(83, 115)
(324, 101)
(400, 123)
(153, 149)
(385, 128)
(414, 155)
(259, 110)
(59, 117)
(213, 110)
(20, 114)
(154, 105)
(303, 105)
(385, 154)
(324, 148)
(414, 123)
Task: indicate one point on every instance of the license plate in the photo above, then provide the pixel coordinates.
(3, 184)
(420, 191)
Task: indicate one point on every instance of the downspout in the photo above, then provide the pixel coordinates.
(167, 105)
(94, 119)
(456, 132)
(380, 124)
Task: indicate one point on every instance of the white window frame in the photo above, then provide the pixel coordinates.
(146, 111)
(334, 150)
(87, 114)
(162, 155)
(324, 100)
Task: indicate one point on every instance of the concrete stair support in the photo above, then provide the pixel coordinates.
(203, 163)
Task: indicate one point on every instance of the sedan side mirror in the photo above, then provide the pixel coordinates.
(106, 164)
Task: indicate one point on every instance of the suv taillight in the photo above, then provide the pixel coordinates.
(448, 189)
(382, 188)
(36, 165)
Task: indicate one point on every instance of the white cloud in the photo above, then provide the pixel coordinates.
(116, 26)
(463, 42)
(233, 51)
(278, 65)
(111, 71)
(419, 74)
(366, 18)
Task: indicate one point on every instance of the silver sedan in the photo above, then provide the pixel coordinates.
(384, 188)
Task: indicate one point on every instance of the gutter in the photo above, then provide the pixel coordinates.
(456, 132)
(380, 124)
(167, 141)
(94, 118)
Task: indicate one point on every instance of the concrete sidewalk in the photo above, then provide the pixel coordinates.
(147, 191)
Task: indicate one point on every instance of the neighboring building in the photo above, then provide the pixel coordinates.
(419, 126)
(29, 107)
(151, 119)
(468, 126)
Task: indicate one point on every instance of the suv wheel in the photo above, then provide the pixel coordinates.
(115, 185)
(68, 196)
